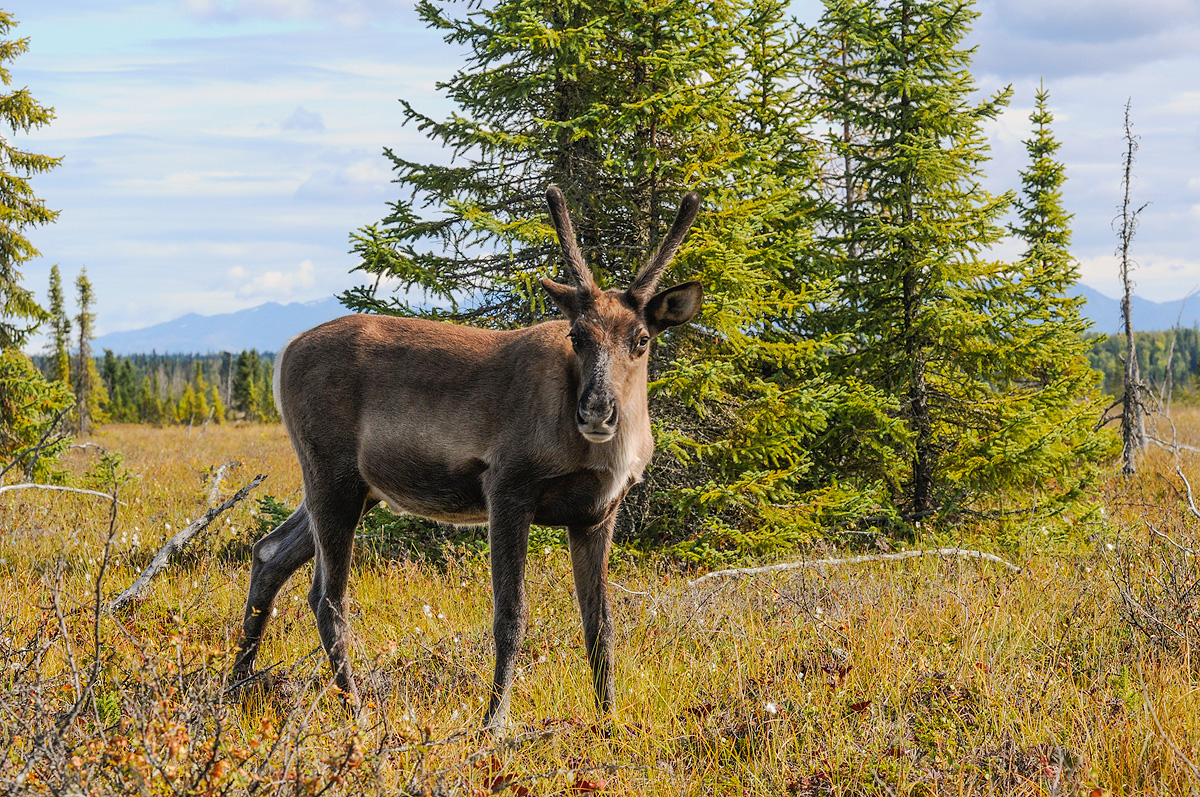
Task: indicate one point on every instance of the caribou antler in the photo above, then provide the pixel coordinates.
(581, 275)
(646, 281)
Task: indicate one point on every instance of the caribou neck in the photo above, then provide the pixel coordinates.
(621, 460)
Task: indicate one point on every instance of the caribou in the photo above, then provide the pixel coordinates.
(548, 424)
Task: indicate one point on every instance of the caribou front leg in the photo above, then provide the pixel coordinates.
(508, 536)
(590, 547)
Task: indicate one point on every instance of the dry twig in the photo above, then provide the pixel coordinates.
(738, 572)
(1167, 537)
(1190, 502)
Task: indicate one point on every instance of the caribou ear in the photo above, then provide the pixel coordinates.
(674, 306)
(565, 297)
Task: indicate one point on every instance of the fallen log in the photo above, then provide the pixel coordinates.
(738, 572)
(175, 544)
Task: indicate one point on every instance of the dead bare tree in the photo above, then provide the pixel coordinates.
(1133, 409)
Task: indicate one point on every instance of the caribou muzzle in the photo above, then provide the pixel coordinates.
(596, 416)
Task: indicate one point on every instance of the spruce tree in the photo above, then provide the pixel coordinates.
(625, 106)
(30, 410)
(1051, 435)
(108, 377)
(59, 348)
(218, 406)
(621, 104)
(29, 404)
(19, 313)
(125, 394)
(90, 394)
(266, 398)
(200, 389)
(149, 404)
(245, 391)
(944, 331)
(185, 409)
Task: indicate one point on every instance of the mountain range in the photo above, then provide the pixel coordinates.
(268, 326)
(265, 327)
(1105, 313)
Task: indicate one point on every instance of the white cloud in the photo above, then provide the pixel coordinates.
(1092, 21)
(275, 284)
(363, 178)
(304, 120)
(1035, 37)
(1157, 278)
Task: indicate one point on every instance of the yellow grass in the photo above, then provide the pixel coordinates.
(920, 677)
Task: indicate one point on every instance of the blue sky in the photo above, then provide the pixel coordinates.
(218, 153)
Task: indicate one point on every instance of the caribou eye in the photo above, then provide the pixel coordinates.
(642, 343)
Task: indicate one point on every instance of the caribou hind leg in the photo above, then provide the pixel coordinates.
(335, 510)
(275, 557)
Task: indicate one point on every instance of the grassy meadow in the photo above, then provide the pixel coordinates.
(921, 677)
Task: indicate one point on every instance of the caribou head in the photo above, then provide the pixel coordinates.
(611, 330)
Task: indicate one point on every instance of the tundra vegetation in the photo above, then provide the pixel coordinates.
(916, 677)
(865, 378)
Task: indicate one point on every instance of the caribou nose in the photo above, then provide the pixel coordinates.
(588, 419)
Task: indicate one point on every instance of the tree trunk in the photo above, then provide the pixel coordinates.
(914, 348)
(1133, 422)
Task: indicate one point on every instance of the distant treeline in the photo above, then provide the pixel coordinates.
(1183, 345)
(190, 388)
(183, 388)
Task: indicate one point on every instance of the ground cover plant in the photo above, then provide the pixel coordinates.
(1075, 676)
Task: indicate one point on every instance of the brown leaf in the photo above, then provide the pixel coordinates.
(504, 783)
(860, 707)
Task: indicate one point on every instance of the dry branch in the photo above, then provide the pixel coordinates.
(176, 543)
(1174, 447)
(1168, 538)
(85, 446)
(36, 450)
(853, 560)
(58, 488)
(1190, 502)
(214, 484)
